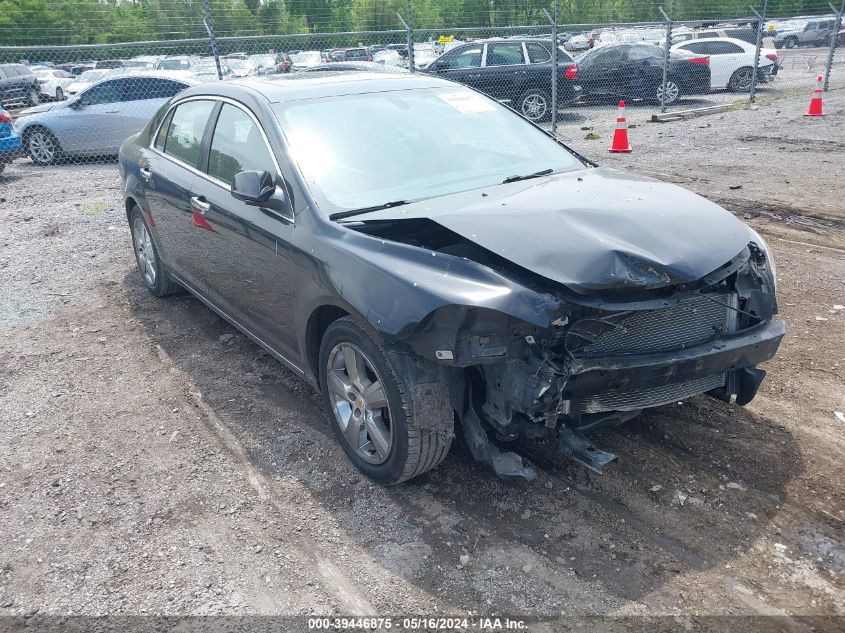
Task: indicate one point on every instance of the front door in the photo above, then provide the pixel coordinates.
(93, 123)
(246, 252)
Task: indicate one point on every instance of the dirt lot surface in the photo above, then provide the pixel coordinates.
(153, 460)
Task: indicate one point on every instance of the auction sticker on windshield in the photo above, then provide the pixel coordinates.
(467, 102)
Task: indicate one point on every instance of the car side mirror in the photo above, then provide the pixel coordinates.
(258, 189)
(444, 65)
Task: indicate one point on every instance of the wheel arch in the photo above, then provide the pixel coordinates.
(318, 322)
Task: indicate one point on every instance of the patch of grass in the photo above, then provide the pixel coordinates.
(96, 208)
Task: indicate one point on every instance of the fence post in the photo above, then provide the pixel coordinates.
(554, 66)
(666, 46)
(409, 28)
(834, 38)
(761, 19)
(209, 27)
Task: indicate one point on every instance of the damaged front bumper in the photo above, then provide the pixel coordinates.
(603, 376)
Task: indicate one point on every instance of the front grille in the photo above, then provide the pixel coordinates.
(650, 397)
(691, 322)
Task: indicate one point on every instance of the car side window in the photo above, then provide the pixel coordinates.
(699, 48)
(142, 88)
(504, 54)
(184, 134)
(105, 92)
(465, 58)
(237, 145)
(725, 48)
(645, 51)
(538, 54)
(162, 131)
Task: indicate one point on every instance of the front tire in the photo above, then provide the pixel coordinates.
(535, 105)
(60, 94)
(43, 147)
(371, 408)
(790, 42)
(153, 274)
(673, 92)
(34, 98)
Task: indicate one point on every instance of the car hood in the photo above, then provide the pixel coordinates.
(591, 230)
(44, 107)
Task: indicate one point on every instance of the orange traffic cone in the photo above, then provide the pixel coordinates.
(815, 108)
(620, 135)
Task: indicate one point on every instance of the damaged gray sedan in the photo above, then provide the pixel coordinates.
(432, 262)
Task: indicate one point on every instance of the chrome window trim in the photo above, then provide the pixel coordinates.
(202, 174)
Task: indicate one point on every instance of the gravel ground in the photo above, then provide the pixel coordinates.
(154, 461)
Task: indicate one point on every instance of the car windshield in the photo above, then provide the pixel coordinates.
(363, 150)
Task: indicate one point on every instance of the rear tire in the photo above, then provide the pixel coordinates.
(790, 42)
(535, 105)
(741, 79)
(154, 275)
(407, 442)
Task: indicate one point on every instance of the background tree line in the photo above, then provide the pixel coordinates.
(33, 22)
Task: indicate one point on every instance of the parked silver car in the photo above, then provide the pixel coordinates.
(809, 33)
(98, 120)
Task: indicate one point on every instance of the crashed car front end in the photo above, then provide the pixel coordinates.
(642, 317)
(603, 359)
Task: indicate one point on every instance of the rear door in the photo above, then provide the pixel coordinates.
(245, 250)
(505, 73)
(169, 171)
(94, 123)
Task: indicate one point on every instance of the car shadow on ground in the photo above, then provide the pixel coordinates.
(695, 485)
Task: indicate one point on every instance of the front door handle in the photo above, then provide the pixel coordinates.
(146, 174)
(200, 205)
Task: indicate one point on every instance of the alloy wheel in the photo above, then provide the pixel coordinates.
(144, 250)
(672, 92)
(34, 97)
(60, 94)
(42, 147)
(742, 79)
(534, 107)
(359, 402)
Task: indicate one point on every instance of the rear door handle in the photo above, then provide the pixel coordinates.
(200, 205)
(146, 174)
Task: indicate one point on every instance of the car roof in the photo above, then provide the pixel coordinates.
(297, 87)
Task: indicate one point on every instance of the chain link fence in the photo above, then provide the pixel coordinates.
(80, 100)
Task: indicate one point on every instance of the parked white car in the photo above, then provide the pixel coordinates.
(732, 61)
(53, 81)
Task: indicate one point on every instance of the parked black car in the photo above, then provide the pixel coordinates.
(19, 85)
(420, 253)
(635, 71)
(514, 71)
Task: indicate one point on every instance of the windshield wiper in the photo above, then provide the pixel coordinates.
(536, 174)
(348, 214)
